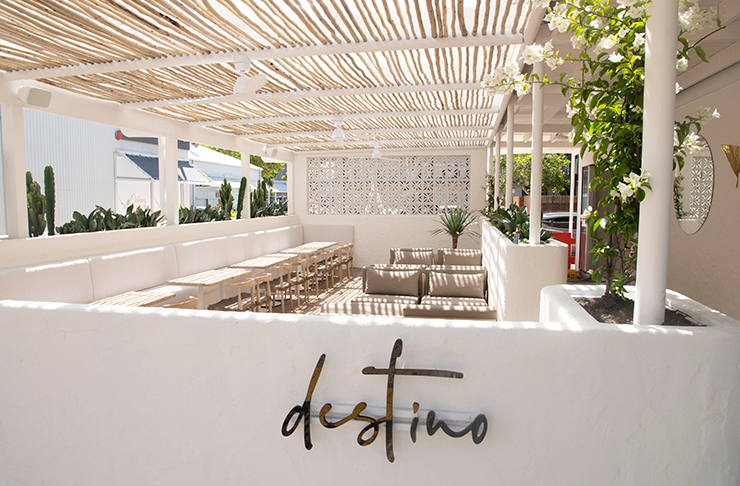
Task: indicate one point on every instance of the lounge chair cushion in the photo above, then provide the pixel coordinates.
(456, 285)
(392, 282)
(385, 299)
(460, 257)
(423, 256)
(469, 301)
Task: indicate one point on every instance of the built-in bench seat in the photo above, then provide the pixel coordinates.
(84, 280)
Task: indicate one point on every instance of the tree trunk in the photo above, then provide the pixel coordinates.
(454, 242)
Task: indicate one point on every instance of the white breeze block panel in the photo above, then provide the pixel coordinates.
(134, 270)
(56, 282)
(201, 255)
(341, 233)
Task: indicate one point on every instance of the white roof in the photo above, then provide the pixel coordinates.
(201, 153)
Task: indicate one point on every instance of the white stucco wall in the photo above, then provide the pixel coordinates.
(35, 251)
(375, 235)
(705, 265)
(92, 396)
(517, 273)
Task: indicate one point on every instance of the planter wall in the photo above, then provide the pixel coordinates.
(517, 273)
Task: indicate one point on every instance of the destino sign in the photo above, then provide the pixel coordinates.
(477, 427)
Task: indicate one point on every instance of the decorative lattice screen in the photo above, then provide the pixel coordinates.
(702, 185)
(397, 185)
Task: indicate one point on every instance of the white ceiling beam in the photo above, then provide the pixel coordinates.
(348, 116)
(300, 95)
(264, 54)
(359, 132)
(371, 142)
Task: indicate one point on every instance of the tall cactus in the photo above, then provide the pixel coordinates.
(258, 200)
(50, 197)
(227, 200)
(35, 203)
(240, 202)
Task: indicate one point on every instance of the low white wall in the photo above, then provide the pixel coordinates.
(517, 273)
(46, 249)
(92, 396)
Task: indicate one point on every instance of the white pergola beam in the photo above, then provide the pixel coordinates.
(370, 142)
(265, 54)
(347, 116)
(301, 95)
(360, 132)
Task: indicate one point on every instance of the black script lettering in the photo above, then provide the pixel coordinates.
(373, 423)
(414, 423)
(304, 411)
(477, 428)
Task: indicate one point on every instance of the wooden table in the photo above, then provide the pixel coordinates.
(265, 261)
(209, 278)
(135, 298)
(309, 248)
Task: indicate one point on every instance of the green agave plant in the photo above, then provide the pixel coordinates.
(456, 222)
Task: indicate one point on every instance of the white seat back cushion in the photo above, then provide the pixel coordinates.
(133, 270)
(198, 256)
(68, 282)
(290, 236)
(341, 233)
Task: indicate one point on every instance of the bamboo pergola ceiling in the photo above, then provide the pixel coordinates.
(404, 74)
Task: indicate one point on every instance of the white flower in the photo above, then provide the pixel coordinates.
(682, 64)
(607, 43)
(626, 191)
(587, 213)
(636, 12)
(678, 88)
(627, 3)
(578, 41)
(616, 57)
(532, 54)
(541, 3)
(634, 179)
(691, 143)
(692, 19)
(571, 136)
(703, 114)
(675, 137)
(639, 41)
(558, 18)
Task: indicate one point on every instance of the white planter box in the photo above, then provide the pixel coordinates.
(517, 273)
(557, 304)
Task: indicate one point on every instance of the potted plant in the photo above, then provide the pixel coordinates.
(456, 222)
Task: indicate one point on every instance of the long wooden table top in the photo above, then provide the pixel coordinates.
(308, 248)
(135, 298)
(210, 277)
(265, 261)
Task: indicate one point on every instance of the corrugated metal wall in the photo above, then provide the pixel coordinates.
(82, 155)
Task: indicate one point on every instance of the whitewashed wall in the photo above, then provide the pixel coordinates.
(36, 251)
(375, 235)
(705, 266)
(517, 273)
(92, 396)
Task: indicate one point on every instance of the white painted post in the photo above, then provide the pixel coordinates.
(509, 155)
(497, 181)
(246, 209)
(14, 171)
(657, 157)
(535, 194)
(290, 173)
(169, 197)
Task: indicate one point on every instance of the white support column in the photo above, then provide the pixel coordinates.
(290, 172)
(657, 157)
(497, 182)
(246, 168)
(509, 197)
(169, 197)
(14, 171)
(535, 195)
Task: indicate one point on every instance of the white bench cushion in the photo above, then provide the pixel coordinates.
(56, 282)
(198, 256)
(341, 233)
(134, 270)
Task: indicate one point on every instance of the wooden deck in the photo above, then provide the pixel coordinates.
(341, 292)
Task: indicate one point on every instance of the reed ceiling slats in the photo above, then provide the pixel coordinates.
(348, 39)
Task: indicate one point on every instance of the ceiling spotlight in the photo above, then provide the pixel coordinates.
(376, 152)
(338, 134)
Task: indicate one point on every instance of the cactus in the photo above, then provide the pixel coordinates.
(258, 200)
(36, 207)
(240, 201)
(49, 192)
(227, 200)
